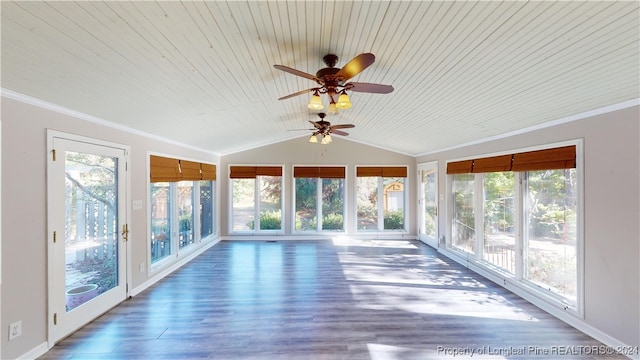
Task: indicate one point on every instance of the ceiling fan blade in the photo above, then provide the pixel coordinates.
(298, 93)
(370, 88)
(355, 66)
(317, 126)
(298, 72)
(343, 126)
(339, 132)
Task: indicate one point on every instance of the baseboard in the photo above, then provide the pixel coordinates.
(305, 237)
(36, 352)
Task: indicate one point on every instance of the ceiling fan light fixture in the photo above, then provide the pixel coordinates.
(313, 139)
(343, 101)
(316, 102)
(326, 139)
(333, 109)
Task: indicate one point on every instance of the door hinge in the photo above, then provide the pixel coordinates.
(55, 319)
(53, 153)
(55, 237)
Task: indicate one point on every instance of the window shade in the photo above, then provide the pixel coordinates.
(325, 172)
(164, 169)
(382, 171)
(549, 159)
(250, 172)
(492, 164)
(460, 167)
(242, 172)
(208, 172)
(190, 170)
(269, 170)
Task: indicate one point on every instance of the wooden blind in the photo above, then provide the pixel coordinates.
(460, 167)
(250, 172)
(242, 172)
(164, 169)
(492, 164)
(269, 170)
(325, 172)
(549, 159)
(190, 170)
(382, 171)
(168, 169)
(208, 172)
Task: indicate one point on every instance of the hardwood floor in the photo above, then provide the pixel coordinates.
(356, 299)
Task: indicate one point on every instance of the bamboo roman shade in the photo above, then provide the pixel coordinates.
(208, 172)
(548, 159)
(163, 169)
(382, 171)
(325, 172)
(250, 172)
(190, 170)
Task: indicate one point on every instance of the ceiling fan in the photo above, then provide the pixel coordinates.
(324, 129)
(332, 81)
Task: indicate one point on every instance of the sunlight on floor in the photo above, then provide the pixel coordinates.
(390, 352)
(395, 244)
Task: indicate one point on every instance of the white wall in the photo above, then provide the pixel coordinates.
(611, 213)
(341, 152)
(24, 242)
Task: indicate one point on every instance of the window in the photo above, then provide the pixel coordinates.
(550, 234)
(381, 198)
(319, 198)
(182, 195)
(525, 222)
(256, 193)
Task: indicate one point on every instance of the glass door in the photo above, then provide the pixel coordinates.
(89, 232)
(428, 203)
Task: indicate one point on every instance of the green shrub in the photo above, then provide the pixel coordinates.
(269, 220)
(333, 221)
(394, 220)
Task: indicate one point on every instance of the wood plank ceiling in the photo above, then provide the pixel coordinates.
(201, 73)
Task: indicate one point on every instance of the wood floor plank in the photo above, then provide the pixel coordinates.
(363, 299)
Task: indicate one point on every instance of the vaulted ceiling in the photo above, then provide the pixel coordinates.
(201, 73)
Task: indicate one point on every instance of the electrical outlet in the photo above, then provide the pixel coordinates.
(142, 267)
(15, 330)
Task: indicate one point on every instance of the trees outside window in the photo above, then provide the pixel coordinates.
(319, 203)
(256, 198)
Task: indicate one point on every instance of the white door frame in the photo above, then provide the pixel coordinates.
(433, 165)
(53, 333)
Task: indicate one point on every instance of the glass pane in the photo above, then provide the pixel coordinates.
(243, 206)
(463, 224)
(430, 202)
(185, 213)
(206, 208)
(160, 221)
(551, 230)
(332, 204)
(393, 194)
(306, 204)
(91, 226)
(367, 203)
(270, 202)
(499, 214)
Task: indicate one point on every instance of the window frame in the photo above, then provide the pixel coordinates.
(319, 201)
(380, 200)
(257, 181)
(516, 281)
